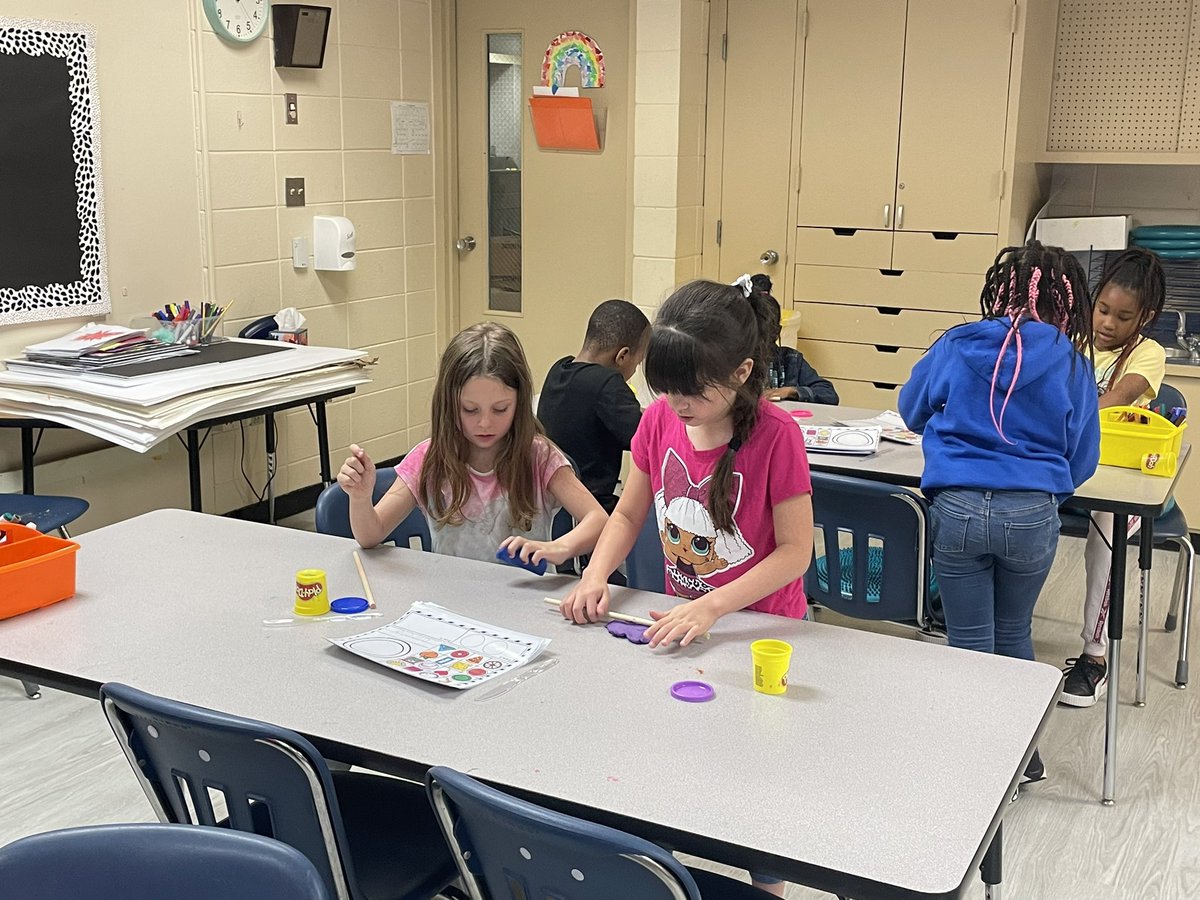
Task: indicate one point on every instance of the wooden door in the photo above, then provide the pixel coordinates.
(956, 68)
(549, 227)
(751, 151)
(853, 71)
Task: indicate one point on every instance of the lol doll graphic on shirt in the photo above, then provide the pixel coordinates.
(693, 546)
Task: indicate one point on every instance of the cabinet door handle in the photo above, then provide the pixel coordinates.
(900, 216)
(887, 215)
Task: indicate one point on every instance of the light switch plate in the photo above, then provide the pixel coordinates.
(293, 191)
(291, 112)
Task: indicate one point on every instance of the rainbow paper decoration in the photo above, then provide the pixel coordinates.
(573, 48)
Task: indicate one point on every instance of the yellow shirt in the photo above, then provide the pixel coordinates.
(1148, 359)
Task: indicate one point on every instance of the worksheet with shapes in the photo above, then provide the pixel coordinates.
(436, 644)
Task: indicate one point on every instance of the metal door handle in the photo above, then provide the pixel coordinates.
(900, 216)
(887, 215)
(769, 257)
(465, 244)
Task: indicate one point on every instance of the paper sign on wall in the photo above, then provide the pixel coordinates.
(410, 127)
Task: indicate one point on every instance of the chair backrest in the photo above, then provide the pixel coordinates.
(508, 849)
(1168, 397)
(46, 512)
(860, 525)
(333, 513)
(644, 566)
(149, 862)
(200, 767)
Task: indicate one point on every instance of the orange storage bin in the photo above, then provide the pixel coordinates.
(35, 570)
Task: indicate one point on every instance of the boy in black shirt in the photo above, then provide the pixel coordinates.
(586, 406)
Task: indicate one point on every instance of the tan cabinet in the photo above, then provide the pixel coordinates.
(903, 119)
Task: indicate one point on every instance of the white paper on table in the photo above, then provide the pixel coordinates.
(438, 645)
(892, 425)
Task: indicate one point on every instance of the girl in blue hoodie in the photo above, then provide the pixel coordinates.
(1008, 410)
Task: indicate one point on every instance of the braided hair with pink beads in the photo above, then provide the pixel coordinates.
(1039, 284)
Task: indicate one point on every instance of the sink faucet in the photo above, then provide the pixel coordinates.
(1190, 345)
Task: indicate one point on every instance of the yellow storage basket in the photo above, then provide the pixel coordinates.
(1129, 433)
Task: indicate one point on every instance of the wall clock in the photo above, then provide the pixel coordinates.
(238, 21)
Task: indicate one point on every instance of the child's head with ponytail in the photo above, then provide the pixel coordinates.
(713, 341)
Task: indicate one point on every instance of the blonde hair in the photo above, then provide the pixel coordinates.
(486, 350)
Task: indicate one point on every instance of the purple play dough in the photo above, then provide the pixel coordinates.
(635, 634)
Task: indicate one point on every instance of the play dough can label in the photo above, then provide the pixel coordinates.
(771, 661)
(312, 593)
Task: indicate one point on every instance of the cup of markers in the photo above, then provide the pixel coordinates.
(185, 324)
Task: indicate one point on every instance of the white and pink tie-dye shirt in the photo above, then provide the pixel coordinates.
(487, 521)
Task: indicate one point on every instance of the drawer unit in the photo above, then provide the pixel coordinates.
(873, 362)
(867, 394)
(901, 290)
(876, 325)
(972, 254)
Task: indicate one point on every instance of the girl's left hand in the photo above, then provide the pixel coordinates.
(683, 623)
(783, 393)
(535, 551)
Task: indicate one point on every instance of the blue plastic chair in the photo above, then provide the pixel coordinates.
(47, 514)
(370, 837)
(333, 514)
(509, 849)
(150, 862)
(644, 567)
(884, 574)
(1170, 533)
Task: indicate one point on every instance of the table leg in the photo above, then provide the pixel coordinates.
(990, 869)
(272, 446)
(323, 444)
(1116, 615)
(193, 451)
(1145, 558)
(27, 459)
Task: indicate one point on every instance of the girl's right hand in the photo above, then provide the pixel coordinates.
(588, 602)
(357, 474)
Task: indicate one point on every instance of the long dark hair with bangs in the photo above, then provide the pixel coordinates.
(701, 335)
(486, 350)
(1138, 271)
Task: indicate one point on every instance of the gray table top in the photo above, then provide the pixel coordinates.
(888, 760)
(1111, 488)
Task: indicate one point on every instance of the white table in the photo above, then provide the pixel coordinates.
(1122, 492)
(881, 773)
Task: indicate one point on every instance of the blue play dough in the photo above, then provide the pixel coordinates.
(503, 556)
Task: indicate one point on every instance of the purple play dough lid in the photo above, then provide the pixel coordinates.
(692, 691)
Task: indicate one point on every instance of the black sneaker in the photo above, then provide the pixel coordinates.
(1087, 680)
(1035, 771)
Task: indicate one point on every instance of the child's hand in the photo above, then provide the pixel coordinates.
(783, 393)
(588, 602)
(535, 551)
(683, 623)
(357, 474)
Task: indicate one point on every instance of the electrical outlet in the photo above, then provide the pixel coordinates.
(293, 191)
(291, 112)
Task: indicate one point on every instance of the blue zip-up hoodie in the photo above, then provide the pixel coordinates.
(1052, 418)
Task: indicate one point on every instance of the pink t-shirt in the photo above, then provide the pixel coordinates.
(486, 519)
(769, 468)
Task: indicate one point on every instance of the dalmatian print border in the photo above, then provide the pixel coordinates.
(74, 42)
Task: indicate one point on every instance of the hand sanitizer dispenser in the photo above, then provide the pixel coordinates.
(333, 243)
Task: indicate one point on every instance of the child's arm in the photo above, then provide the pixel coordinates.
(579, 502)
(1126, 391)
(788, 561)
(371, 524)
(919, 398)
(813, 388)
(589, 600)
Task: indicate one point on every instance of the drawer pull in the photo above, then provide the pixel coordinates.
(891, 273)
(886, 348)
(884, 386)
(845, 232)
(889, 310)
(945, 235)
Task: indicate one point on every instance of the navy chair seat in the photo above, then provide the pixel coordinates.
(150, 862)
(46, 512)
(510, 849)
(370, 837)
(333, 513)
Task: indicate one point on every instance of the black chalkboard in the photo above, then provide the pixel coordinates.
(39, 222)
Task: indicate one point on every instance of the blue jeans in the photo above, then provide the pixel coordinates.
(992, 551)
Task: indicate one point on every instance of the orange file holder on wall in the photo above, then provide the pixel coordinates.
(564, 123)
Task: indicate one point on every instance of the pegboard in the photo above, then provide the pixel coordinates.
(1189, 120)
(1119, 74)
